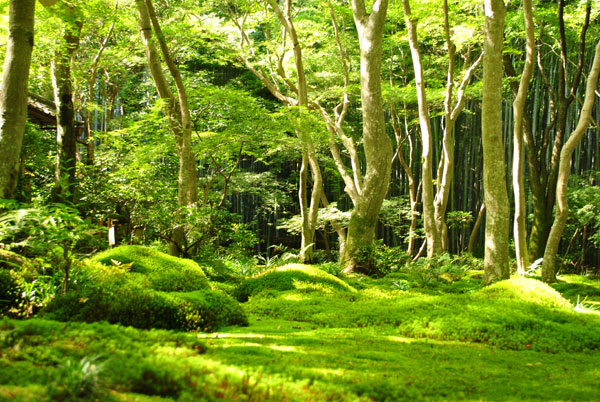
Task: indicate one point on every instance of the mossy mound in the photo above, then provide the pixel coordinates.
(290, 277)
(164, 272)
(526, 290)
(114, 294)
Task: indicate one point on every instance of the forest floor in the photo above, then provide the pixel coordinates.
(381, 344)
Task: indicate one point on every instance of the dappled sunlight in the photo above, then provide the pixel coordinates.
(284, 348)
(225, 335)
(293, 297)
(174, 351)
(243, 345)
(399, 339)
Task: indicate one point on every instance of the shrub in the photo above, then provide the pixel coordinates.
(378, 259)
(52, 232)
(288, 277)
(165, 273)
(23, 289)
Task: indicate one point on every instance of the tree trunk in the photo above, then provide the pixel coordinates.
(341, 232)
(560, 101)
(520, 221)
(377, 144)
(494, 166)
(91, 85)
(475, 231)
(66, 134)
(308, 211)
(177, 112)
(13, 92)
(432, 233)
(188, 171)
(451, 112)
(413, 190)
(562, 207)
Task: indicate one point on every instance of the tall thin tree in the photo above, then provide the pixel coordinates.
(62, 84)
(562, 206)
(177, 111)
(520, 223)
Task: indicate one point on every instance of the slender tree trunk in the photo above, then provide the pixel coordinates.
(309, 211)
(560, 101)
(341, 232)
(434, 242)
(446, 171)
(494, 166)
(13, 92)
(562, 207)
(188, 171)
(177, 112)
(377, 144)
(475, 231)
(520, 221)
(413, 191)
(66, 134)
(451, 112)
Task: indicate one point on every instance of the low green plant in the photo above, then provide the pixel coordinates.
(75, 381)
(332, 268)
(51, 232)
(378, 259)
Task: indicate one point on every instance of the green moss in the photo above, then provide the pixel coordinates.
(514, 314)
(209, 310)
(527, 290)
(164, 272)
(291, 276)
(116, 295)
(575, 287)
(277, 360)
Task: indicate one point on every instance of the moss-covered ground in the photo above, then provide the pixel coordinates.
(518, 340)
